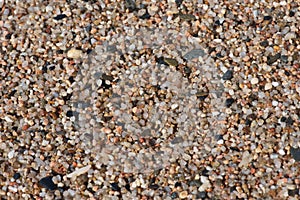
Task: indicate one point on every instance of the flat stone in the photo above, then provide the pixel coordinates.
(171, 62)
(195, 53)
(187, 17)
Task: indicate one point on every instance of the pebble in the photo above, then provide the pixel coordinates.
(183, 194)
(228, 75)
(171, 62)
(195, 53)
(254, 81)
(74, 53)
(268, 86)
(47, 183)
(295, 152)
(79, 171)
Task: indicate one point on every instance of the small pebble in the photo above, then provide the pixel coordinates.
(268, 86)
(47, 183)
(295, 152)
(228, 75)
(254, 81)
(183, 194)
(74, 53)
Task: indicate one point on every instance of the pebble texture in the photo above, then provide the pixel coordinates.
(149, 99)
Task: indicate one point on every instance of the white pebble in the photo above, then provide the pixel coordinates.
(10, 155)
(281, 152)
(275, 84)
(174, 106)
(254, 81)
(275, 103)
(79, 171)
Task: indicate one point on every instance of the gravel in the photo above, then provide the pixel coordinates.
(149, 100)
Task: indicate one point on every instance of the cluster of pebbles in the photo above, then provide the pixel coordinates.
(138, 99)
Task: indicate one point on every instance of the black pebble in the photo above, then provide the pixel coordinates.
(71, 79)
(8, 36)
(60, 17)
(264, 43)
(115, 187)
(59, 51)
(153, 186)
(232, 189)
(228, 75)
(292, 13)
(17, 176)
(293, 192)
(178, 2)
(51, 68)
(47, 183)
(267, 18)
(295, 153)
(283, 119)
(174, 195)
(178, 184)
(70, 113)
(234, 149)
(204, 172)
(289, 121)
(146, 15)
(229, 102)
(127, 187)
(161, 61)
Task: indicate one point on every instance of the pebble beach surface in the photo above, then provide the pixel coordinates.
(147, 99)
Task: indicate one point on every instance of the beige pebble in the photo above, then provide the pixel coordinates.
(268, 86)
(74, 53)
(183, 194)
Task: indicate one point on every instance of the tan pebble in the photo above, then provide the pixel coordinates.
(268, 86)
(183, 194)
(74, 53)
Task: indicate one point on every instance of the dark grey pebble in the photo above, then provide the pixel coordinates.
(115, 187)
(201, 195)
(196, 183)
(264, 43)
(272, 59)
(295, 153)
(228, 75)
(130, 5)
(294, 192)
(177, 140)
(47, 183)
